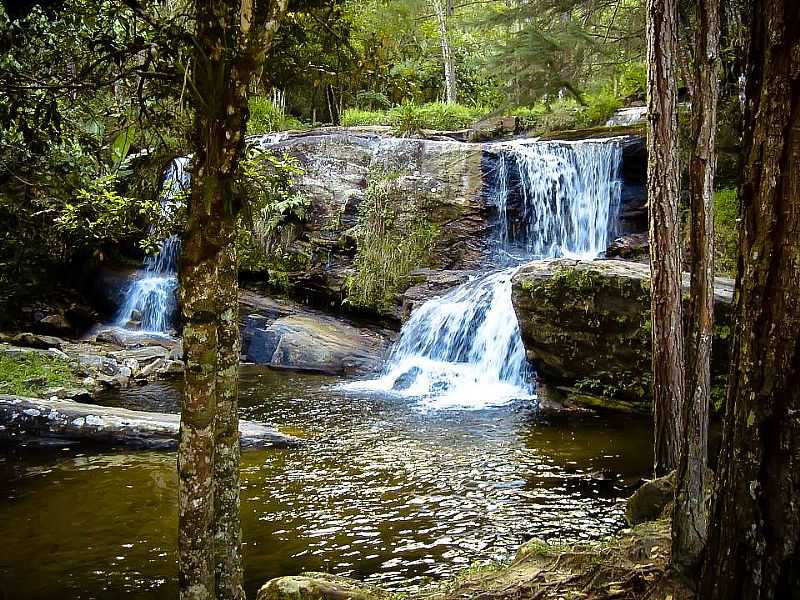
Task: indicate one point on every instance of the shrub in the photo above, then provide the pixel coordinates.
(265, 117)
(99, 213)
(600, 106)
(274, 210)
(633, 81)
(392, 240)
(726, 235)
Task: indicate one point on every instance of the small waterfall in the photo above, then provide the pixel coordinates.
(150, 304)
(464, 349)
(567, 197)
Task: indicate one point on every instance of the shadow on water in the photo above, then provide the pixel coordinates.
(384, 492)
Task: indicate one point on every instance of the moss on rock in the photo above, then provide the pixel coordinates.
(586, 325)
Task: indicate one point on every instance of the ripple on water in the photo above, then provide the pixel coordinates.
(383, 492)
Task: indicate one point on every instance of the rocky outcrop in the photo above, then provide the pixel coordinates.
(586, 325)
(634, 246)
(286, 335)
(440, 182)
(33, 418)
(319, 586)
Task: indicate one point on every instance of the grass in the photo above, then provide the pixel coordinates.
(409, 117)
(566, 113)
(265, 117)
(557, 115)
(392, 240)
(32, 373)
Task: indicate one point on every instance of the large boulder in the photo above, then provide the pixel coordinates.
(650, 500)
(319, 586)
(284, 334)
(312, 342)
(441, 183)
(586, 325)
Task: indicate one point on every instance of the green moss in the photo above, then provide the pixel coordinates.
(726, 236)
(32, 373)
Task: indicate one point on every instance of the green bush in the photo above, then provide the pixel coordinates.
(31, 374)
(633, 81)
(392, 240)
(410, 118)
(600, 106)
(726, 236)
(274, 213)
(265, 117)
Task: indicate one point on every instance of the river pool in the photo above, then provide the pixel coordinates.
(384, 491)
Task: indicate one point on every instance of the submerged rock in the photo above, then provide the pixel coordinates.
(586, 325)
(319, 586)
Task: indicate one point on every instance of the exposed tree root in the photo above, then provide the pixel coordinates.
(630, 566)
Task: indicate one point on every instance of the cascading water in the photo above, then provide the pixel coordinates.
(150, 303)
(464, 349)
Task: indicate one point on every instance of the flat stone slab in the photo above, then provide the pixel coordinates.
(76, 421)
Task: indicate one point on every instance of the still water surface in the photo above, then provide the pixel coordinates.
(384, 492)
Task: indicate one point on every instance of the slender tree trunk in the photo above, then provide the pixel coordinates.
(228, 531)
(662, 192)
(442, 13)
(196, 436)
(753, 551)
(689, 518)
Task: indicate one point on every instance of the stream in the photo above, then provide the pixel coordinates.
(387, 491)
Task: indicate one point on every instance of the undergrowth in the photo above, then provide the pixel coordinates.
(32, 373)
(391, 240)
(265, 117)
(726, 211)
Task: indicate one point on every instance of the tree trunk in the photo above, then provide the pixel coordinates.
(662, 190)
(198, 290)
(228, 530)
(689, 518)
(442, 12)
(753, 551)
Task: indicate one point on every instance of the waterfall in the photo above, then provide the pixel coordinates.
(567, 196)
(464, 349)
(150, 304)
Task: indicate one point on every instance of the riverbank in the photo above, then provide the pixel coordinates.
(632, 565)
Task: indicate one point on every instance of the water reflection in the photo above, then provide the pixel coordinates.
(384, 492)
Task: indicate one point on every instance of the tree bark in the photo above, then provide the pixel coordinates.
(228, 530)
(442, 13)
(753, 550)
(689, 518)
(662, 190)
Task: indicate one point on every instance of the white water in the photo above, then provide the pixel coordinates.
(150, 302)
(464, 349)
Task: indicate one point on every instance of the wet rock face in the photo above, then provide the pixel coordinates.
(586, 325)
(286, 335)
(440, 181)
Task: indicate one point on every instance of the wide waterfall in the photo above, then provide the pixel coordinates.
(464, 349)
(150, 304)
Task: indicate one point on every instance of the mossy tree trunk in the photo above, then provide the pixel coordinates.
(753, 550)
(689, 519)
(663, 173)
(232, 39)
